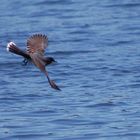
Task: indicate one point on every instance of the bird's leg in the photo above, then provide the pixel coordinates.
(24, 62)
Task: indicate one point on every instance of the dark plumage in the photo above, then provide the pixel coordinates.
(36, 45)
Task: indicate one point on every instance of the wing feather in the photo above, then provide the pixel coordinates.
(38, 61)
(36, 46)
(37, 43)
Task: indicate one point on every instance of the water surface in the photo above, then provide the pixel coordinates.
(96, 44)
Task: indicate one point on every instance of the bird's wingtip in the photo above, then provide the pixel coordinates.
(54, 86)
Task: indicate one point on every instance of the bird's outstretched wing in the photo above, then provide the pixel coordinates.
(36, 45)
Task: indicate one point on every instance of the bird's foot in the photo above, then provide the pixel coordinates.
(24, 62)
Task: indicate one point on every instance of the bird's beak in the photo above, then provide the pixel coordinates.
(55, 62)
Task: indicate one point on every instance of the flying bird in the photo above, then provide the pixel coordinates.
(36, 45)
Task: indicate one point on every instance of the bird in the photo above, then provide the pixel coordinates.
(35, 52)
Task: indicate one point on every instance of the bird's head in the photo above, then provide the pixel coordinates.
(49, 60)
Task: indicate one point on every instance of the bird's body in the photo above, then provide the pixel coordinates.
(36, 46)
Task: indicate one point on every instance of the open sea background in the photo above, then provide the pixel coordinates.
(97, 46)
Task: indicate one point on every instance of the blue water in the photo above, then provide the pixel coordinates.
(97, 46)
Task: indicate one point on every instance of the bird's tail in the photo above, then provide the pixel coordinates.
(11, 47)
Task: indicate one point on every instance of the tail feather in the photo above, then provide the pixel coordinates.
(11, 47)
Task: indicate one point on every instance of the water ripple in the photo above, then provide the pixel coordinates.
(96, 45)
